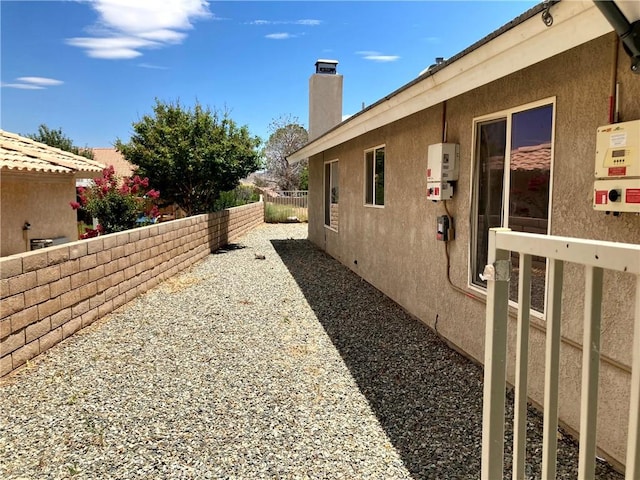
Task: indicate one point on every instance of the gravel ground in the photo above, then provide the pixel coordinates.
(287, 367)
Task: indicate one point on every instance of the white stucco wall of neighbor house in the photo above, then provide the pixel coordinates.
(41, 200)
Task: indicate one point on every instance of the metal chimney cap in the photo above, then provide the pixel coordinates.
(323, 60)
(326, 66)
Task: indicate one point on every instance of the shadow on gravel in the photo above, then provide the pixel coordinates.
(229, 247)
(427, 397)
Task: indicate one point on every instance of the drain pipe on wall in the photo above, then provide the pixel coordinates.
(466, 293)
(628, 32)
(614, 96)
(25, 234)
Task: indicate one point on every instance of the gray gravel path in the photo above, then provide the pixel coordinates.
(289, 367)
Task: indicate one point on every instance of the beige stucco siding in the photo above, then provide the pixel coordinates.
(42, 199)
(396, 250)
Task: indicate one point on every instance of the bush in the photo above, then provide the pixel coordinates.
(274, 213)
(118, 205)
(241, 195)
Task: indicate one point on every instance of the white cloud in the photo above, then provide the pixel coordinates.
(382, 58)
(135, 16)
(279, 36)
(33, 83)
(164, 36)
(377, 56)
(367, 52)
(306, 21)
(22, 86)
(151, 66)
(125, 27)
(40, 81)
(113, 47)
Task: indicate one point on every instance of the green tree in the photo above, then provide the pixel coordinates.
(191, 154)
(304, 177)
(286, 136)
(56, 138)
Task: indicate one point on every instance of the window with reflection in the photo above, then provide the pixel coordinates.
(331, 194)
(374, 176)
(512, 186)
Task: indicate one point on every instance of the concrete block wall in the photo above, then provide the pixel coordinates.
(49, 294)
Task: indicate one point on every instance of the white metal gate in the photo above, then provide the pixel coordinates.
(596, 256)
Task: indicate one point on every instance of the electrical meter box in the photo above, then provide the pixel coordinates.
(437, 191)
(444, 229)
(443, 161)
(617, 169)
(443, 164)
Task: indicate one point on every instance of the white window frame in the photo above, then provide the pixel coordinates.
(324, 193)
(473, 200)
(373, 149)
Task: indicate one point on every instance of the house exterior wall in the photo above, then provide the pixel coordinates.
(395, 247)
(49, 294)
(42, 199)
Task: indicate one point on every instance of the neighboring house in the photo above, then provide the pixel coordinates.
(110, 156)
(37, 183)
(523, 105)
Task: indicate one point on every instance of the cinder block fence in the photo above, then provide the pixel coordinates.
(49, 294)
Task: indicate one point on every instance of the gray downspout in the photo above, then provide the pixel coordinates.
(629, 33)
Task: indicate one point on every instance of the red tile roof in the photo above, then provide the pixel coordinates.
(534, 157)
(110, 156)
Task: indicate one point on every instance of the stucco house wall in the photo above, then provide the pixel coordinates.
(395, 247)
(37, 183)
(40, 199)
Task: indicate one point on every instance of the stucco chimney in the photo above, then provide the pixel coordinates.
(325, 98)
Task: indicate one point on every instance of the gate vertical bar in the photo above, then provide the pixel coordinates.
(495, 353)
(590, 371)
(633, 439)
(522, 359)
(552, 370)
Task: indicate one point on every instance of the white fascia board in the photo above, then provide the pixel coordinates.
(630, 9)
(574, 23)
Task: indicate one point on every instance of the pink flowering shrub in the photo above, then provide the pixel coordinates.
(92, 232)
(118, 205)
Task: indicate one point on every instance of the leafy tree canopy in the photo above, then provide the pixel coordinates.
(286, 136)
(191, 154)
(57, 139)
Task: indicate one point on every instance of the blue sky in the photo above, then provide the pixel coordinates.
(94, 67)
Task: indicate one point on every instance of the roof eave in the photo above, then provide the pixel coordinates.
(58, 160)
(519, 44)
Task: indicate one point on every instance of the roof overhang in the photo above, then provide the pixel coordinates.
(18, 153)
(520, 44)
